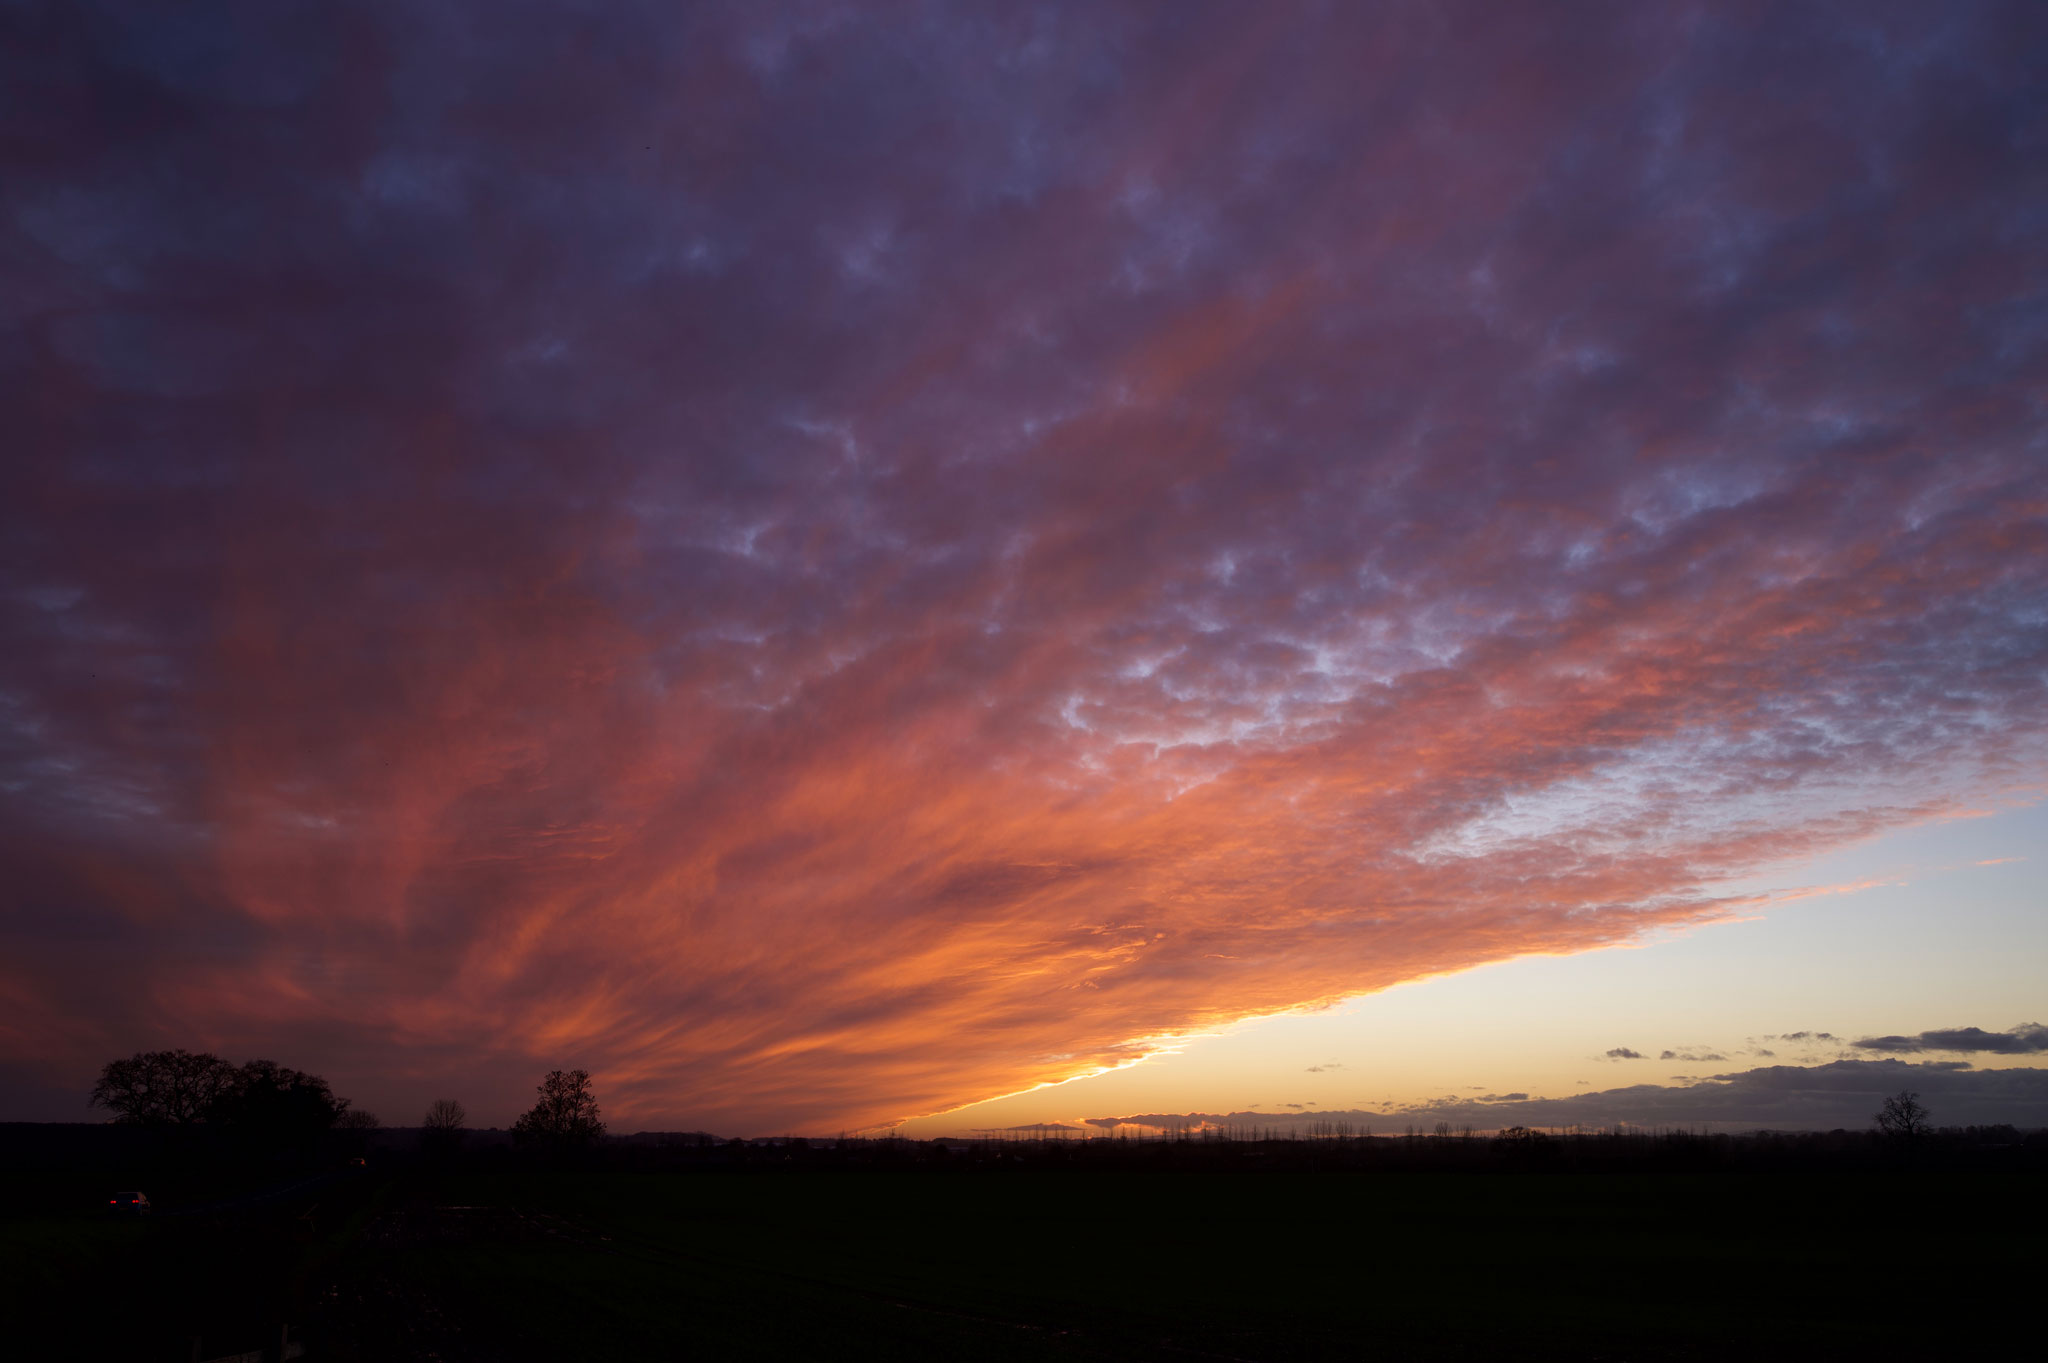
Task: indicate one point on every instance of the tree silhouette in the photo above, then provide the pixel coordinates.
(276, 1107)
(565, 1116)
(1903, 1118)
(445, 1115)
(164, 1088)
(441, 1128)
(266, 1104)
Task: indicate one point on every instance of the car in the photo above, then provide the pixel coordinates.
(129, 1204)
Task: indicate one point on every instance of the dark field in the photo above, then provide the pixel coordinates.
(1282, 1265)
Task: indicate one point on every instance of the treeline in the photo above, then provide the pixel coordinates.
(1516, 1150)
(271, 1107)
(261, 1105)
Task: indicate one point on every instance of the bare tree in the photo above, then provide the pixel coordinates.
(444, 1116)
(164, 1088)
(566, 1114)
(441, 1129)
(357, 1119)
(1903, 1117)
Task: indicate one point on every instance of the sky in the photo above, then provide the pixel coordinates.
(920, 567)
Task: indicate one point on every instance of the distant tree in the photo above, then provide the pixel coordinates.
(441, 1129)
(444, 1115)
(164, 1088)
(357, 1119)
(565, 1116)
(1523, 1144)
(1903, 1118)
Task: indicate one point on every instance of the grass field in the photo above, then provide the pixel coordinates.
(1080, 1265)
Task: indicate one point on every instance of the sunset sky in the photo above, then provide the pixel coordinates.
(841, 565)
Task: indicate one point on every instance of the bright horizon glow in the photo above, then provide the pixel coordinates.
(1489, 1029)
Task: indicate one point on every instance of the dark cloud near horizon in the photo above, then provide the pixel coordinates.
(1697, 1056)
(1624, 1053)
(1095, 520)
(1841, 1093)
(2027, 1039)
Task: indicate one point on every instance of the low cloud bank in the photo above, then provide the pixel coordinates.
(2026, 1039)
(1842, 1093)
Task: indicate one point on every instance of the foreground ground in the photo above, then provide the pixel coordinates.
(511, 1265)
